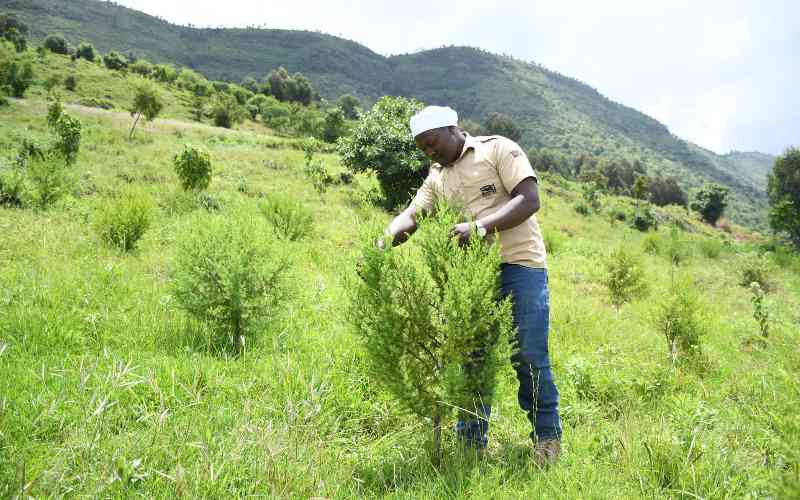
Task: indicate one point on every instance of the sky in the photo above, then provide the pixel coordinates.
(722, 74)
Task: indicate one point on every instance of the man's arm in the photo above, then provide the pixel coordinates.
(524, 202)
(402, 226)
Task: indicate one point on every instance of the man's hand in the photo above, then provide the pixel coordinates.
(463, 231)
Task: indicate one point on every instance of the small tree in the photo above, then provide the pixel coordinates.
(229, 276)
(783, 189)
(115, 61)
(15, 31)
(16, 74)
(85, 51)
(147, 101)
(502, 124)
(710, 201)
(227, 111)
(429, 317)
(71, 83)
(193, 167)
(350, 105)
(122, 222)
(624, 277)
(334, 125)
(56, 44)
(382, 141)
(680, 317)
(68, 137)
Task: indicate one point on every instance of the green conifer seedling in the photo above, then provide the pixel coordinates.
(431, 319)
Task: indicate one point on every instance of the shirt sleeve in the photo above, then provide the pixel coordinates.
(512, 164)
(425, 198)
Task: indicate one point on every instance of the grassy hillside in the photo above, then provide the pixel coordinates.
(106, 389)
(552, 110)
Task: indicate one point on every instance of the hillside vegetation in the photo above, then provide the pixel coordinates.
(108, 388)
(552, 110)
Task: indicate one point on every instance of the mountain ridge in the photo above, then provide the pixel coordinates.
(552, 110)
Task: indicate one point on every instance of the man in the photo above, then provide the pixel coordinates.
(492, 179)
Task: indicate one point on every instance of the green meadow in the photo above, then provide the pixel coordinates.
(108, 389)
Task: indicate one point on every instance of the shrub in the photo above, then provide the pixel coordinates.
(16, 74)
(334, 125)
(93, 102)
(350, 106)
(783, 190)
(147, 101)
(193, 167)
(666, 191)
(122, 222)
(429, 317)
(315, 171)
(582, 208)
(677, 249)
(54, 110)
(229, 276)
(644, 218)
(711, 248)
(85, 51)
(760, 308)
(141, 67)
(624, 277)
(382, 141)
(291, 220)
(652, 244)
(710, 201)
(68, 137)
(48, 180)
(227, 112)
(56, 44)
(12, 187)
(755, 268)
(553, 241)
(165, 73)
(115, 61)
(680, 317)
(70, 83)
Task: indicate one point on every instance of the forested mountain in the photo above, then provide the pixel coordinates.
(552, 110)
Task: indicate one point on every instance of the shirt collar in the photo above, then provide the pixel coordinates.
(469, 143)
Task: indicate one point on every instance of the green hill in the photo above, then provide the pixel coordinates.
(109, 389)
(552, 110)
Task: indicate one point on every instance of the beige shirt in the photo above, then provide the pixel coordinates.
(481, 181)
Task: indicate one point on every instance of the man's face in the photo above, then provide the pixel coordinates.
(440, 145)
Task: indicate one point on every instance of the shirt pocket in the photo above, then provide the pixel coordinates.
(482, 188)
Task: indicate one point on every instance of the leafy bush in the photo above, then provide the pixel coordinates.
(316, 172)
(86, 51)
(229, 276)
(165, 73)
(12, 186)
(582, 208)
(56, 44)
(760, 308)
(47, 180)
(115, 61)
(710, 201)
(644, 218)
(680, 317)
(93, 102)
(783, 190)
(350, 106)
(68, 137)
(227, 112)
(122, 222)
(71, 83)
(141, 67)
(652, 244)
(624, 277)
(334, 125)
(382, 141)
(677, 250)
(16, 74)
(755, 268)
(291, 220)
(429, 317)
(711, 248)
(193, 167)
(553, 241)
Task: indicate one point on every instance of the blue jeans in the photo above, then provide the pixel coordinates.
(537, 393)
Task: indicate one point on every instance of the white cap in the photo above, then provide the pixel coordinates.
(433, 117)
